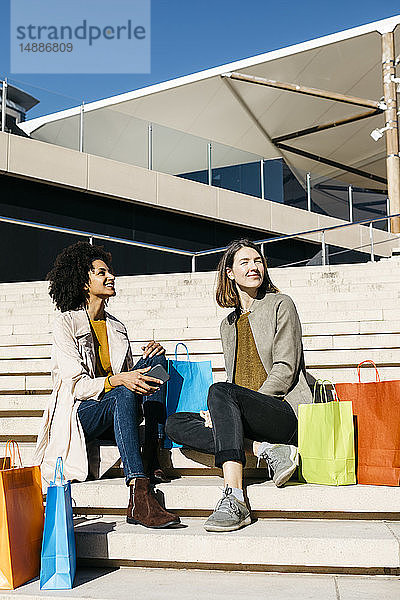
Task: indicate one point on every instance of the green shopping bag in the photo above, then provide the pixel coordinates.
(326, 440)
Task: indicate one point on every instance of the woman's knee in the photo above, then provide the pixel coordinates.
(218, 393)
(125, 396)
(158, 360)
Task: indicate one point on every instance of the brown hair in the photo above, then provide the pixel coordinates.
(226, 292)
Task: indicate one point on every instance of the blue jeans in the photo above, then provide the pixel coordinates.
(119, 410)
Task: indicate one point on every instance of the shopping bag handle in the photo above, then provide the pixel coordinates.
(12, 450)
(370, 362)
(335, 394)
(176, 350)
(322, 386)
(59, 470)
(317, 382)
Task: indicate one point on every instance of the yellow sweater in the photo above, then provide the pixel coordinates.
(103, 362)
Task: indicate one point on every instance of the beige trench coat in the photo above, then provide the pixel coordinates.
(74, 380)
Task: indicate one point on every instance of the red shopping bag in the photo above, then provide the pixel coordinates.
(376, 408)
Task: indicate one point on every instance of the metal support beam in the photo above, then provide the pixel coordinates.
(209, 162)
(350, 192)
(332, 163)
(262, 179)
(4, 105)
(323, 249)
(391, 123)
(247, 110)
(81, 127)
(308, 185)
(343, 188)
(371, 239)
(301, 89)
(331, 125)
(150, 147)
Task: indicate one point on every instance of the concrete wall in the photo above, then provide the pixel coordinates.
(44, 162)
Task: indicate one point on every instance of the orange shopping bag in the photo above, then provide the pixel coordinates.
(377, 425)
(21, 521)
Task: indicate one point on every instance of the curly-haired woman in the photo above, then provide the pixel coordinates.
(257, 406)
(96, 387)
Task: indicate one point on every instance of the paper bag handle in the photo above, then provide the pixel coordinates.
(322, 385)
(12, 450)
(176, 350)
(371, 362)
(59, 470)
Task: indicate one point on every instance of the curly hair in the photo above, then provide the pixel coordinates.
(70, 274)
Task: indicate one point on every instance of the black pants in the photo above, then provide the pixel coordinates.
(236, 413)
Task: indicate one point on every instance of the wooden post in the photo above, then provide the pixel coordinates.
(391, 122)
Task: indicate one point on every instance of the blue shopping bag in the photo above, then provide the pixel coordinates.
(187, 388)
(58, 559)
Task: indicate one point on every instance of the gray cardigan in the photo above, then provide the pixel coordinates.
(276, 330)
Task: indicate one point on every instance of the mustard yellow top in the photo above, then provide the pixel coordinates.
(103, 362)
(249, 370)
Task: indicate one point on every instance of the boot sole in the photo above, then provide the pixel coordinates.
(286, 475)
(220, 528)
(135, 522)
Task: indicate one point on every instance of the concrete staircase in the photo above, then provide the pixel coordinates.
(349, 313)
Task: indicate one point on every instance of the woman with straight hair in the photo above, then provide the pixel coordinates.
(98, 392)
(256, 409)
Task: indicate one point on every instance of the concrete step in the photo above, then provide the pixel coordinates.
(28, 339)
(135, 311)
(175, 461)
(349, 374)
(194, 494)
(22, 352)
(24, 366)
(212, 345)
(374, 334)
(313, 546)
(315, 321)
(25, 383)
(19, 384)
(171, 298)
(108, 583)
(27, 423)
(17, 403)
(315, 359)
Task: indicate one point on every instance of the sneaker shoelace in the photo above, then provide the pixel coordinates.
(227, 505)
(270, 459)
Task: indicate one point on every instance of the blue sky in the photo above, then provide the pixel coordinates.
(188, 36)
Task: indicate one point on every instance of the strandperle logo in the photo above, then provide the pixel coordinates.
(80, 36)
(85, 31)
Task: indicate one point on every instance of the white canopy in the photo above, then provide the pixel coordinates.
(203, 105)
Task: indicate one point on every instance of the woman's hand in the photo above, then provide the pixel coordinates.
(137, 381)
(205, 414)
(152, 349)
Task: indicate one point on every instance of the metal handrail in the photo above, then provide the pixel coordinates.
(294, 235)
(194, 255)
(98, 236)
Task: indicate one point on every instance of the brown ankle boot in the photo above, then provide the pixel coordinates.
(144, 508)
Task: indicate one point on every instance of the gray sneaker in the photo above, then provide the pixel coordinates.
(282, 459)
(229, 514)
